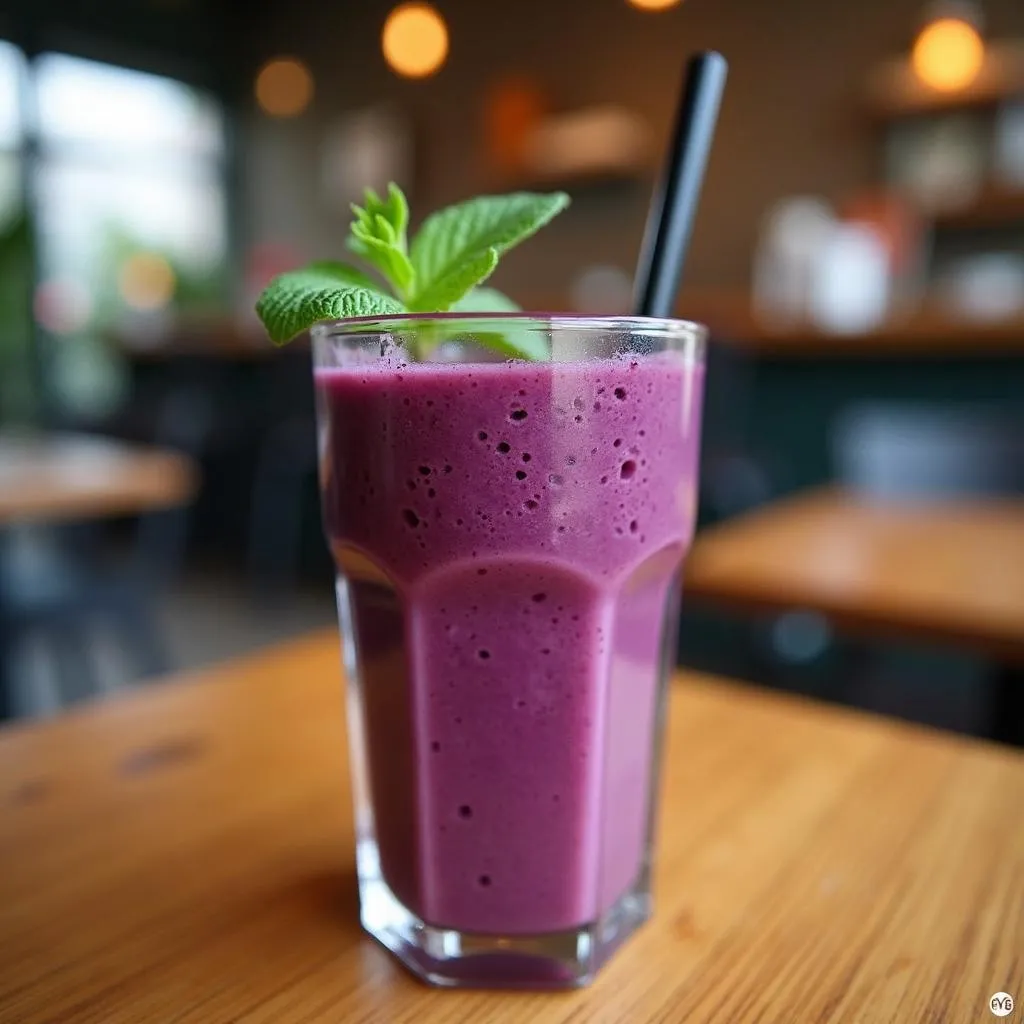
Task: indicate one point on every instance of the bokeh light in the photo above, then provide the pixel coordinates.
(415, 40)
(146, 282)
(284, 87)
(948, 54)
(654, 5)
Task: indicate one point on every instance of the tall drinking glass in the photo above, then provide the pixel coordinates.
(508, 538)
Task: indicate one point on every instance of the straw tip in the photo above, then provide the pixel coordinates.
(712, 58)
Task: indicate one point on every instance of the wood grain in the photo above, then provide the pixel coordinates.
(186, 855)
(951, 571)
(67, 476)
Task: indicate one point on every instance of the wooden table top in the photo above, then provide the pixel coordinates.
(55, 477)
(950, 571)
(185, 854)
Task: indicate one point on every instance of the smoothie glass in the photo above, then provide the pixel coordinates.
(508, 538)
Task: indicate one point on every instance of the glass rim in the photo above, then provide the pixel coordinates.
(664, 327)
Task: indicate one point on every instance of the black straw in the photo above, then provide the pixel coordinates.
(674, 205)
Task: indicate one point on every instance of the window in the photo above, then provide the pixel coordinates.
(129, 163)
(129, 215)
(16, 392)
(11, 73)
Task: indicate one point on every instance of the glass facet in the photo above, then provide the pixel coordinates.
(508, 538)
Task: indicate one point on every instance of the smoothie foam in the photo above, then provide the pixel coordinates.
(510, 537)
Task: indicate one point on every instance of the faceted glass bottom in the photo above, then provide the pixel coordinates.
(450, 958)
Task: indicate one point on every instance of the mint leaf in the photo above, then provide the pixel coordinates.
(382, 253)
(485, 300)
(294, 301)
(446, 291)
(395, 210)
(517, 342)
(378, 235)
(464, 234)
(453, 252)
(340, 272)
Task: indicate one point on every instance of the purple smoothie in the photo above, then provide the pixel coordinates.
(510, 537)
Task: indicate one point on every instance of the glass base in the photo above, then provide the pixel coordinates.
(450, 958)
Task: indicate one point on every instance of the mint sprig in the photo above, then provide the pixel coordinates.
(378, 236)
(455, 250)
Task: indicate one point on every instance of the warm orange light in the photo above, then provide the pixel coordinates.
(415, 40)
(284, 87)
(654, 5)
(146, 281)
(948, 54)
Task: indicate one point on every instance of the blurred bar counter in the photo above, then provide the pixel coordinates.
(209, 338)
(928, 334)
(730, 316)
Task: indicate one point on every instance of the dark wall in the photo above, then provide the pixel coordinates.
(180, 38)
(791, 121)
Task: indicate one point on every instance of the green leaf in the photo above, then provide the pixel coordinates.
(445, 291)
(453, 252)
(378, 235)
(378, 252)
(485, 300)
(340, 272)
(517, 343)
(394, 210)
(462, 235)
(294, 301)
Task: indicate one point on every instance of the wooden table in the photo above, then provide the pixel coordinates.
(67, 476)
(185, 855)
(930, 333)
(948, 572)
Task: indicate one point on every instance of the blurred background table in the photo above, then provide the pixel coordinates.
(52, 586)
(59, 477)
(188, 852)
(950, 571)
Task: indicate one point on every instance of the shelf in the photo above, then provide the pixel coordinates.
(894, 91)
(925, 335)
(727, 313)
(215, 338)
(937, 340)
(993, 208)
